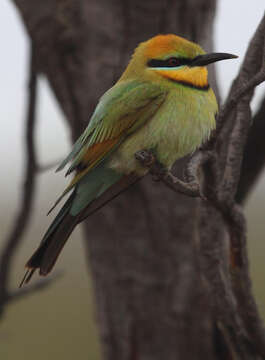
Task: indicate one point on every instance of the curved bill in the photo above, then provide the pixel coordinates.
(202, 60)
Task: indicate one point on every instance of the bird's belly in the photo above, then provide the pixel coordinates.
(174, 131)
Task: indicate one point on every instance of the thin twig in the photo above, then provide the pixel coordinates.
(240, 93)
(251, 74)
(253, 158)
(23, 215)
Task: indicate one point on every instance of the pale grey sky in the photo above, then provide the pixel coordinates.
(235, 23)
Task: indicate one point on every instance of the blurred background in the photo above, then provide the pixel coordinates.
(59, 322)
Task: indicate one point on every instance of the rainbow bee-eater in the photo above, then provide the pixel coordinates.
(162, 102)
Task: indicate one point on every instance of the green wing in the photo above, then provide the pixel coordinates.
(120, 112)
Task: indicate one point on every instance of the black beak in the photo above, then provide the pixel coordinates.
(206, 59)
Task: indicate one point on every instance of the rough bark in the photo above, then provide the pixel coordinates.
(159, 260)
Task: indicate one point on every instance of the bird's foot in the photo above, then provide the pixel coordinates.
(146, 157)
(160, 173)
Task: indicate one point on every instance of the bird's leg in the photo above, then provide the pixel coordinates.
(159, 173)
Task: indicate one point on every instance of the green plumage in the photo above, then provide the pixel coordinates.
(183, 119)
(92, 186)
(170, 110)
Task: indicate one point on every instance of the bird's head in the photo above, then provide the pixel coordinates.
(172, 58)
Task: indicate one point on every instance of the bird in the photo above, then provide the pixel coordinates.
(163, 103)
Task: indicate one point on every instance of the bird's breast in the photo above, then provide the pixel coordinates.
(180, 125)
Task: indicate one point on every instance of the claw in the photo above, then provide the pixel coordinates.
(145, 157)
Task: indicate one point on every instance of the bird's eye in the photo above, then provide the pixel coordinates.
(172, 62)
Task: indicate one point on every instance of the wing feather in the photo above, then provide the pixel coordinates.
(120, 112)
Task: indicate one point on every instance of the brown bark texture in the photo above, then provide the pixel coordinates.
(170, 271)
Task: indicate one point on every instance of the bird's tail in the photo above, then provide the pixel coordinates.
(52, 243)
(104, 185)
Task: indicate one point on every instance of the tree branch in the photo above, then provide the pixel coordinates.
(238, 311)
(23, 215)
(253, 159)
(191, 187)
(233, 125)
(234, 122)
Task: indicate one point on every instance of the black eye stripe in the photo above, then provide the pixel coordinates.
(171, 62)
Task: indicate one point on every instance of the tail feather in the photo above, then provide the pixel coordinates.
(109, 194)
(52, 243)
(47, 253)
(73, 212)
(27, 277)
